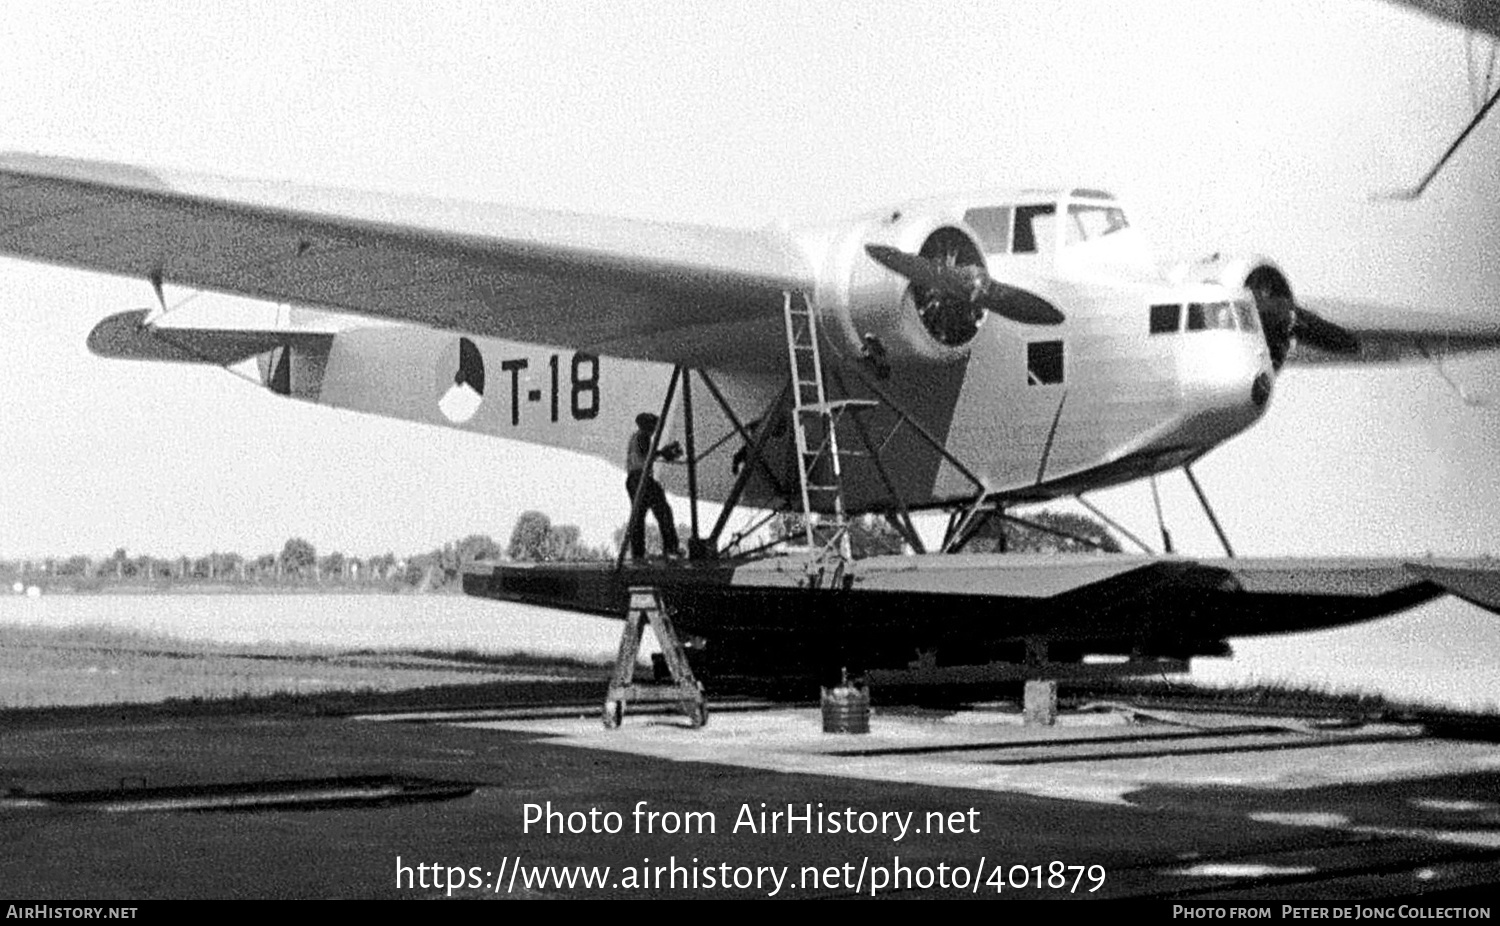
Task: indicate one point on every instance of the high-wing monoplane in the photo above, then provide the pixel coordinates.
(965, 353)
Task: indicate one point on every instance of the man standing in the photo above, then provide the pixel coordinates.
(637, 473)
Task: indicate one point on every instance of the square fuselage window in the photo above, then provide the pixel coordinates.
(1044, 363)
(1165, 318)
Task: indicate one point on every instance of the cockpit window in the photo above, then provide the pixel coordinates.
(1035, 230)
(1089, 222)
(1248, 318)
(1165, 318)
(992, 225)
(1209, 315)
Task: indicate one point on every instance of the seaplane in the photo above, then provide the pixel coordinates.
(962, 354)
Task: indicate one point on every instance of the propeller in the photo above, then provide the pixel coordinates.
(949, 282)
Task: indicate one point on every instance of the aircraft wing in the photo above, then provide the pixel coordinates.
(645, 290)
(1471, 14)
(1391, 335)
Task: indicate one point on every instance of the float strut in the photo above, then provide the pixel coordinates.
(1203, 500)
(1161, 522)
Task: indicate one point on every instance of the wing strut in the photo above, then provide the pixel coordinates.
(816, 416)
(695, 541)
(900, 517)
(755, 437)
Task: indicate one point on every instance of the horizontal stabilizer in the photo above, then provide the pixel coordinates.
(124, 337)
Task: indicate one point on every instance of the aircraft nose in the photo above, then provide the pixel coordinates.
(1226, 381)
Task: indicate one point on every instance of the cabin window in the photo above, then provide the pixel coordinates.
(1165, 318)
(1035, 230)
(1204, 316)
(992, 225)
(1044, 363)
(1086, 223)
(1246, 311)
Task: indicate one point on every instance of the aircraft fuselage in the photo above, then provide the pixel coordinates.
(1142, 376)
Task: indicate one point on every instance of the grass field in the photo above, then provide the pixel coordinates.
(73, 666)
(88, 666)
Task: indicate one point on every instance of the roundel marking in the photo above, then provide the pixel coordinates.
(460, 381)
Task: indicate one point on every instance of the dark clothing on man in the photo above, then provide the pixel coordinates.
(653, 499)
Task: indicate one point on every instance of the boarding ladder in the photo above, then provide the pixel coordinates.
(815, 420)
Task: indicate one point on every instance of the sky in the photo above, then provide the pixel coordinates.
(1261, 127)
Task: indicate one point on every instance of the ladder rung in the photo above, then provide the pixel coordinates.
(837, 405)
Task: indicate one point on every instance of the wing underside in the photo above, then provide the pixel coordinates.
(1390, 335)
(646, 290)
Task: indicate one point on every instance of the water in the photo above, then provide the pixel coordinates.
(1443, 653)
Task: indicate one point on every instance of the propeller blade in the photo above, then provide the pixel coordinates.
(1018, 305)
(922, 272)
(971, 284)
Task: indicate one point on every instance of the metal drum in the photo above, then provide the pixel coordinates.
(846, 709)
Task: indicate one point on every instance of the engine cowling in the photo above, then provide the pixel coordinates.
(880, 313)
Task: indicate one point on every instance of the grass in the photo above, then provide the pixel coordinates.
(1285, 699)
(87, 665)
(1274, 696)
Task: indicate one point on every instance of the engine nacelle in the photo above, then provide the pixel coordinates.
(867, 309)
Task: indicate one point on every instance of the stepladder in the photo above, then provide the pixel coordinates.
(681, 688)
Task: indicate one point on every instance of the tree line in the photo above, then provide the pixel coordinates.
(533, 538)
